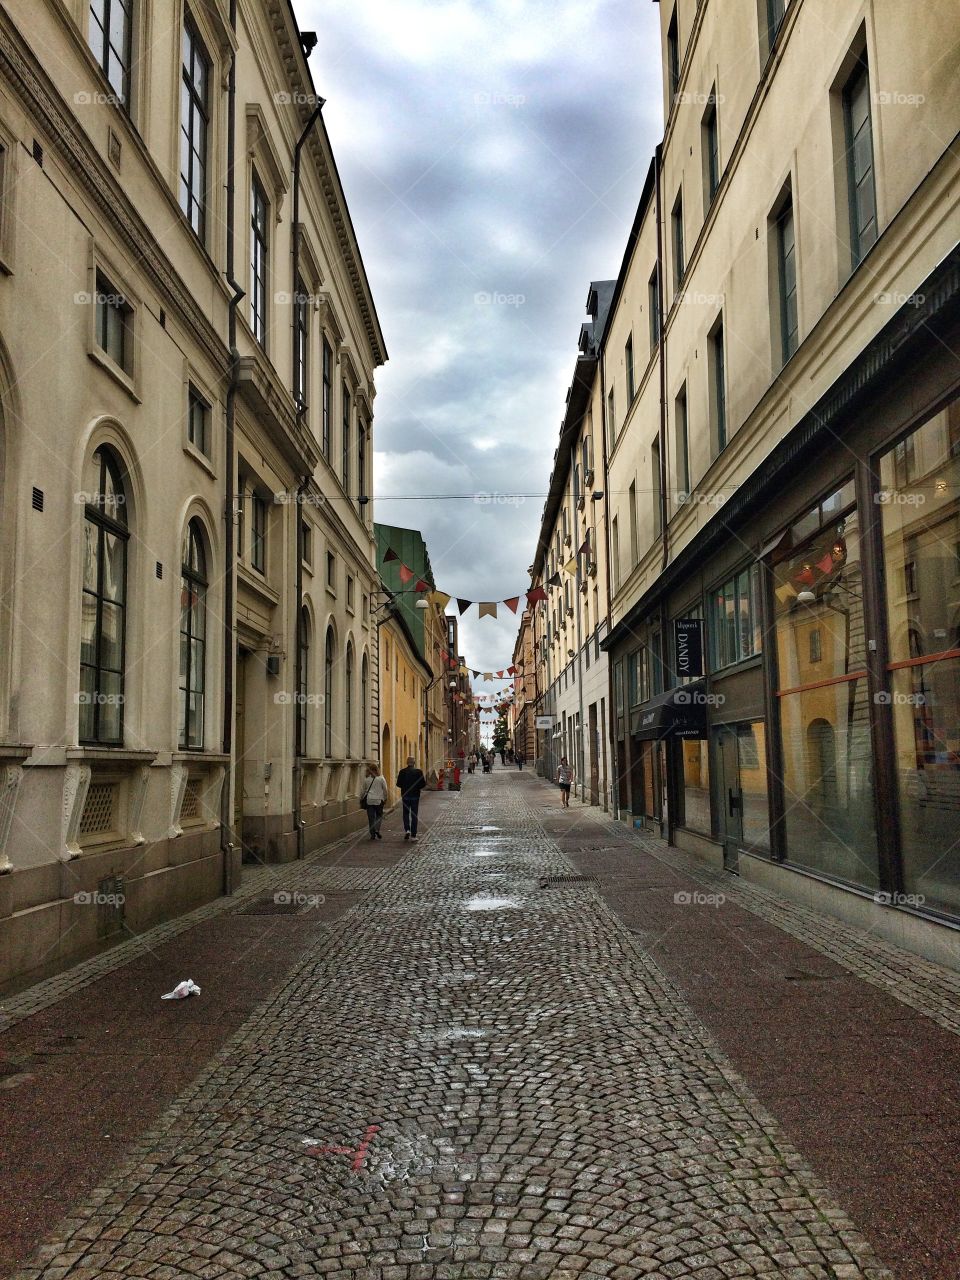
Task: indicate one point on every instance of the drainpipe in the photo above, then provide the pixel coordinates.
(229, 640)
(611, 692)
(301, 490)
(661, 342)
(579, 583)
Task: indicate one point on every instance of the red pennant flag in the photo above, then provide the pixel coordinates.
(499, 675)
(405, 573)
(422, 586)
(512, 603)
(512, 670)
(536, 595)
(826, 564)
(390, 555)
(463, 605)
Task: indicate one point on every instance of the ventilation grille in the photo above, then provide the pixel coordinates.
(99, 809)
(546, 881)
(110, 906)
(37, 499)
(190, 809)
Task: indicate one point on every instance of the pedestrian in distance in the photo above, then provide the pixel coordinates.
(565, 781)
(518, 756)
(503, 756)
(410, 782)
(373, 798)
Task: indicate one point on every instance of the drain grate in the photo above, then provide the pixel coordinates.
(546, 881)
(801, 975)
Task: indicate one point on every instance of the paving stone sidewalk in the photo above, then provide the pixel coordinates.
(479, 1075)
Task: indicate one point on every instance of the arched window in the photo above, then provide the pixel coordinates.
(103, 612)
(364, 708)
(348, 704)
(193, 637)
(328, 659)
(303, 686)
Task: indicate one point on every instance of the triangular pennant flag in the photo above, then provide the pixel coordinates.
(499, 675)
(512, 603)
(536, 594)
(475, 674)
(555, 580)
(570, 567)
(405, 573)
(439, 598)
(463, 671)
(463, 605)
(488, 609)
(512, 670)
(390, 555)
(421, 585)
(487, 675)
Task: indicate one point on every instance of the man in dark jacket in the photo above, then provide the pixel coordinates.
(410, 782)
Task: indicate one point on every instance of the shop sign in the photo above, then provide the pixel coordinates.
(688, 646)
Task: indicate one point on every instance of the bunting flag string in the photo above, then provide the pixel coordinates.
(487, 608)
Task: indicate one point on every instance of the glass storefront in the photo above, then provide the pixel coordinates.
(824, 705)
(695, 783)
(920, 497)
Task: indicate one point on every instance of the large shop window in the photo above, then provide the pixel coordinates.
(920, 497)
(695, 780)
(823, 699)
(736, 619)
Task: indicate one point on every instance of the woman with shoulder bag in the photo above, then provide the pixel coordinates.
(373, 798)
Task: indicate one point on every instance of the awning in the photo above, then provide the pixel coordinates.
(680, 713)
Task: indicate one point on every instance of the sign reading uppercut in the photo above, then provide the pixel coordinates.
(688, 646)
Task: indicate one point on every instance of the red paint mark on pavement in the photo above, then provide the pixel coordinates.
(358, 1154)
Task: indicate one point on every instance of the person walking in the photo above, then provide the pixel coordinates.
(518, 756)
(410, 782)
(565, 781)
(373, 798)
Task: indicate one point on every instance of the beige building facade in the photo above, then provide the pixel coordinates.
(187, 559)
(781, 424)
(570, 564)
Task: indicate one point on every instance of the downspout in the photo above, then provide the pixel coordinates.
(301, 490)
(229, 640)
(661, 343)
(579, 582)
(611, 694)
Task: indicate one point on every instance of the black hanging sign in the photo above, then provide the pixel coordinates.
(688, 646)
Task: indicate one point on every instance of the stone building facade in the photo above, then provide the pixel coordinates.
(187, 557)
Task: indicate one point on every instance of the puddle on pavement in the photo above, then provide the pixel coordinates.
(485, 853)
(487, 902)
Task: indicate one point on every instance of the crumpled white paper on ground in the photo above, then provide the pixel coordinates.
(183, 989)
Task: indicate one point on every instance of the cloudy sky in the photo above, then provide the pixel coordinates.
(493, 153)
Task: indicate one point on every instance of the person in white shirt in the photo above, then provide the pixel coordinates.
(565, 779)
(374, 794)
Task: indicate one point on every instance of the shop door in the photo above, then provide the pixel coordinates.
(729, 797)
(594, 757)
(238, 747)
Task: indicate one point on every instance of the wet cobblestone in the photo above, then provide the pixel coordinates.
(471, 1076)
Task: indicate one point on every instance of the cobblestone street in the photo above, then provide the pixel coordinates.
(475, 1072)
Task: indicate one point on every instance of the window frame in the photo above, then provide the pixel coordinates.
(259, 257)
(259, 522)
(125, 59)
(189, 578)
(859, 76)
(199, 109)
(105, 524)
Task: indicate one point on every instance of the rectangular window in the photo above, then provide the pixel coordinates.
(787, 267)
(350, 591)
(921, 528)
(718, 386)
(682, 446)
(634, 539)
(194, 125)
(611, 417)
(111, 28)
(615, 552)
(114, 323)
(710, 142)
(656, 488)
(676, 226)
(825, 709)
(628, 361)
(198, 421)
(736, 619)
(361, 461)
(258, 534)
(331, 571)
(775, 13)
(346, 442)
(653, 302)
(327, 396)
(861, 188)
(301, 345)
(306, 542)
(259, 244)
(673, 58)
